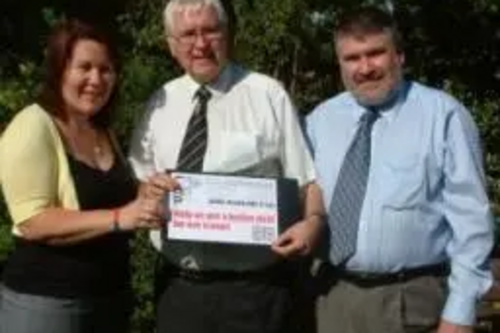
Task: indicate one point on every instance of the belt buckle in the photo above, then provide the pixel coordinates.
(191, 274)
(366, 276)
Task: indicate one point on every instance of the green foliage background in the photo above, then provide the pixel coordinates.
(453, 44)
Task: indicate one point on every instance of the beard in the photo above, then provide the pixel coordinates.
(383, 94)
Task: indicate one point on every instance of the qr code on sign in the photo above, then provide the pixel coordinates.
(262, 234)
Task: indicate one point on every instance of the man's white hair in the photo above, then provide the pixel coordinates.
(173, 5)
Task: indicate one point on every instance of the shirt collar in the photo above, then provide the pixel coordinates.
(217, 87)
(392, 106)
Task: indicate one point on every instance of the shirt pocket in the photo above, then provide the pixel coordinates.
(404, 182)
(232, 151)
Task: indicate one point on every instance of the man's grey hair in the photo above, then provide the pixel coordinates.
(168, 13)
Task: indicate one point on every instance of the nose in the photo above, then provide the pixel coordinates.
(365, 66)
(95, 76)
(201, 40)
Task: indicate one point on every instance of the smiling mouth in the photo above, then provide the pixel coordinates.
(204, 59)
(93, 97)
(373, 82)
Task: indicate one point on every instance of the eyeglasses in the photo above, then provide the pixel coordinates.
(189, 38)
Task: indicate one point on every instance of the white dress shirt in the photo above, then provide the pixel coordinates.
(253, 129)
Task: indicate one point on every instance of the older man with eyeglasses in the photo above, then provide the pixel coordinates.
(222, 118)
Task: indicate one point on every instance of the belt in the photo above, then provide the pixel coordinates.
(268, 273)
(368, 279)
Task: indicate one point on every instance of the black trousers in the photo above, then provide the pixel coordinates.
(267, 304)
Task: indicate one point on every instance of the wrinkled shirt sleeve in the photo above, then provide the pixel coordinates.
(467, 211)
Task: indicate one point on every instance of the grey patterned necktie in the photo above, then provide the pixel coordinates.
(194, 144)
(349, 192)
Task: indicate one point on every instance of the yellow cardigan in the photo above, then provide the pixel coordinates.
(34, 170)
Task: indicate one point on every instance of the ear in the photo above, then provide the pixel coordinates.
(170, 46)
(402, 59)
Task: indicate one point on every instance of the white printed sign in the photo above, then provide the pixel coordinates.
(223, 208)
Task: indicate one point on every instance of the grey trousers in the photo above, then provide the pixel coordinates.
(407, 307)
(23, 313)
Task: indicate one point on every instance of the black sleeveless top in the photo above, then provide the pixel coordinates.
(99, 266)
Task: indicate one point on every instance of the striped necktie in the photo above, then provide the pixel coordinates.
(194, 144)
(349, 193)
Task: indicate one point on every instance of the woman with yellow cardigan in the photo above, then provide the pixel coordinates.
(71, 196)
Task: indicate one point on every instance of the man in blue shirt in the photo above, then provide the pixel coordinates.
(401, 171)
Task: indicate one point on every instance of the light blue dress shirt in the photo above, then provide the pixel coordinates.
(425, 199)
